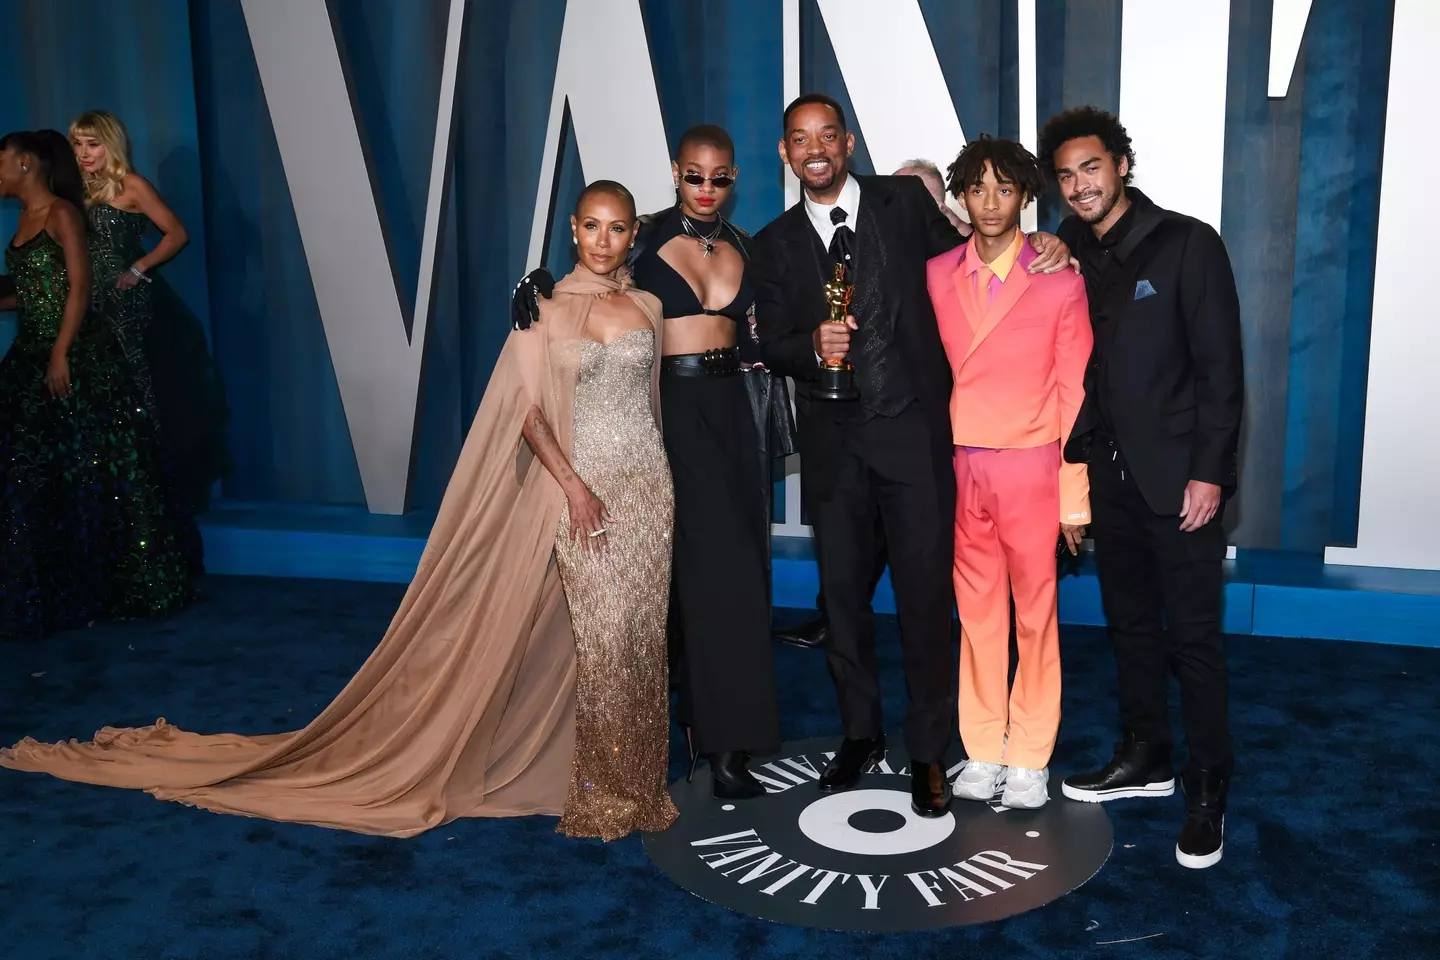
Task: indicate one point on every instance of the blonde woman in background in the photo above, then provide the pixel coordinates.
(182, 392)
(120, 206)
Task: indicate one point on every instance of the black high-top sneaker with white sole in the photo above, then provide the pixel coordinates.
(1202, 839)
(1137, 770)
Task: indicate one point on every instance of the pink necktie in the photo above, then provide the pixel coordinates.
(986, 278)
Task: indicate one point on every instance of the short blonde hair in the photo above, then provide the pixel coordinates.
(107, 183)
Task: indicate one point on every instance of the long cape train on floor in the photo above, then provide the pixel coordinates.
(466, 708)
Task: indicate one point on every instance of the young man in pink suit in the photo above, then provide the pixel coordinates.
(1018, 345)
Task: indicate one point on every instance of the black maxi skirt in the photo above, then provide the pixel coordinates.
(720, 586)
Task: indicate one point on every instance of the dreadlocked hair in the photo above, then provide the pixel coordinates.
(1011, 162)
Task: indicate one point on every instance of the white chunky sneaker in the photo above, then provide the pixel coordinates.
(978, 780)
(1026, 789)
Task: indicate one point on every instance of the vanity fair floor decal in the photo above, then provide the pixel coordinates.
(862, 859)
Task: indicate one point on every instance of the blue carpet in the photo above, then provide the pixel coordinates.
(1331, 846)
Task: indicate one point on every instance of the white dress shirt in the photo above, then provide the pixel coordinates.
(819, 213)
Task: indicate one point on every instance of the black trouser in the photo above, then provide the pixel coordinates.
(1153, 575)
(721, 599)
(889, 479)
(807, 498)
(877, 571)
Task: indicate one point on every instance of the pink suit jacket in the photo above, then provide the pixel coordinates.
(1019, 364)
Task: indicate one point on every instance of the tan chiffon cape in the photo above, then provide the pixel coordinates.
(466, 708)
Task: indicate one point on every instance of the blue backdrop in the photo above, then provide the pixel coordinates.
(1301, 176)
(52, 67)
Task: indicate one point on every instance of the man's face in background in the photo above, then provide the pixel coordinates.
(936, 186)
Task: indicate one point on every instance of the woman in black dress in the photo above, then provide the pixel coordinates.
(694, 261)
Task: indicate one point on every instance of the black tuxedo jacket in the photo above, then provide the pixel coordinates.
(1166, 367)
(899, 229)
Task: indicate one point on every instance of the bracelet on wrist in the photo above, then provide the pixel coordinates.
(140, 274)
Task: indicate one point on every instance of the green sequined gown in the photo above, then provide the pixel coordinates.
(89, 526)
(169, 356)
(114, 240)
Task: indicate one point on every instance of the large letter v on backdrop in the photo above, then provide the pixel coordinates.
(376, 364)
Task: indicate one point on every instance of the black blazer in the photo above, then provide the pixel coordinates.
(1167, 353)
(791, 269)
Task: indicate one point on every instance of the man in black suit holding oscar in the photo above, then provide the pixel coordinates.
(878, 467)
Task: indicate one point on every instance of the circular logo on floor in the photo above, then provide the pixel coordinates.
(863, 859)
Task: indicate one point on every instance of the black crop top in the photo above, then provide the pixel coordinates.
(653, 275)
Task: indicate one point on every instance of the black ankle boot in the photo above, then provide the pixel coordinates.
(1138, 769)
(1202, 839)
(731, 780)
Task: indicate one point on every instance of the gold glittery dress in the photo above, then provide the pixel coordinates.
(619, 598)
(489, 695)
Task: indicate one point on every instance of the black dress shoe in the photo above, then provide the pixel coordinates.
(1138, 769)
(730, 778)
(1202, 839)
(929, 789)
(852, 759)
(811, 634)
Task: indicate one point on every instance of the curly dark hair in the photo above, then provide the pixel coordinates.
(1011, 162)
(1086, 122)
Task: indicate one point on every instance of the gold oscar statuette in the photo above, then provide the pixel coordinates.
(837, 377)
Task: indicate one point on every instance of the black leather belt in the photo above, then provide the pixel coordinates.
(724, 362)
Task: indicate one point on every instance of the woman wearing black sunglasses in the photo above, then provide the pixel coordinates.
(695, 261)
(712, 393)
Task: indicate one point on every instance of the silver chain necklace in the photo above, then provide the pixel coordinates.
(707, 242)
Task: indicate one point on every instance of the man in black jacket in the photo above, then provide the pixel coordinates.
(813, 633)
(880, 467)
(1161, 423)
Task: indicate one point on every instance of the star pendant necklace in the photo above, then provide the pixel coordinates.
(707, 242)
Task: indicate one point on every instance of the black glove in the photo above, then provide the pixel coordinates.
(525, 304)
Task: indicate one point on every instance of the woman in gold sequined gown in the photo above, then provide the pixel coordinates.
(490, 694)
(613, 540)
